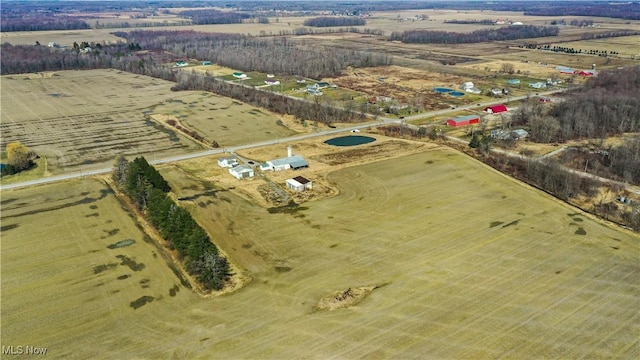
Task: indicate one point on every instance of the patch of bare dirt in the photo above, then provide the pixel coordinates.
(344, 298)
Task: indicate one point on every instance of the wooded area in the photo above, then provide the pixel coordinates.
(148, 190)
(513, 32)
(328, 21)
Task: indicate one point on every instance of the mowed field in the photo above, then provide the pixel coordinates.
(466, 263)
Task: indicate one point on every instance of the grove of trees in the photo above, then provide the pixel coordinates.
(209, 16)
(148, 190)
(328, 21)
(446, 37)
(19, 158)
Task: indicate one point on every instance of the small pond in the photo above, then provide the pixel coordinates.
(351, 140)
(442, 90)
(456, 93)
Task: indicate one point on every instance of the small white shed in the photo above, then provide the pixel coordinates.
(299, 183)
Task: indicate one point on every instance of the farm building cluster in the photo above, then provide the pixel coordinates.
(291, 161)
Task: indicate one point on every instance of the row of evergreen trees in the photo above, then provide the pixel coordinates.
(148, 190)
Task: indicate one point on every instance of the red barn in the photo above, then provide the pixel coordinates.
(495, 109)
(463, 120)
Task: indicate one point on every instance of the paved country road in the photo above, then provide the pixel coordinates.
(377, 122)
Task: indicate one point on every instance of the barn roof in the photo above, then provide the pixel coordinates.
(242, 169)
(291, 160)
(464, 118)
(497, 108)
(301, 180)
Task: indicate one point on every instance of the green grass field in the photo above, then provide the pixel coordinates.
(467, 264)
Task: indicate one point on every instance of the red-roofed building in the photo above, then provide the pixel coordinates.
(463, 120)
(495, 109)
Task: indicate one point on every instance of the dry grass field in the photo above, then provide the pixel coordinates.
(449, 259)
(80, 118)
(86, 118)
(227, 121)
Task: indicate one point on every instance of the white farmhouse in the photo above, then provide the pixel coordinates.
(227, 161)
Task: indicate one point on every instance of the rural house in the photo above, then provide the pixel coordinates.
(496, 109)
(538, 85)
(299, 184)
(241, 171)
(514, 82)
(508, 135)
(496, 92)
(463, 120)
(239, 75)
(227, 161)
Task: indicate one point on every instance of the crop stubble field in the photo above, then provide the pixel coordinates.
(86, 118)
(467, 264)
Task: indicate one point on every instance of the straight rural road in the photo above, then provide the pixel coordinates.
(378, 122)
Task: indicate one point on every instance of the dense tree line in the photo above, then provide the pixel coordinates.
(609, 34)
(28, 59)
(470, 22)
(329, 21)
(307, 31)
(608, 104)
(630, 10)
(499, 34)
(571, 50)
(306, 110)
(246, 53)
(41, 22)
(148, 190)
(209, 16)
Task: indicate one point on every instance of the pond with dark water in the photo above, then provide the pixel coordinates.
(351, 140)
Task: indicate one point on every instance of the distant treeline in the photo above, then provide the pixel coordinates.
(484, 35)
(306, 31)
(245, 53)
(205, 17)
(328, 21)
(629, 10)
(148, 190)
(40, 22)
(589, 36)
(232, 50)
(305, 110)
(470, 22)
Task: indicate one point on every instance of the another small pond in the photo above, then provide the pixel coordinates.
(456, 93)
(442, 90)
(351, 140)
